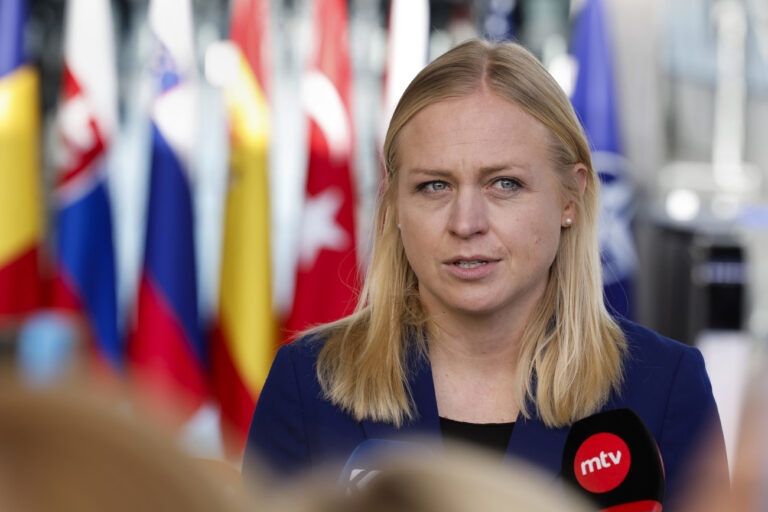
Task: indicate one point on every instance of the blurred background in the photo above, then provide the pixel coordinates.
(184, 185)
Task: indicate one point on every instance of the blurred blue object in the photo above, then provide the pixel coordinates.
(13, 14)
(46, 348)
(499, 23)
(594, 99)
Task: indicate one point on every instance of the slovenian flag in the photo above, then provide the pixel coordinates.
(21, 210)
(594, 99)
(87, 120)
(166, 349)
(327, 278)
(245, 335)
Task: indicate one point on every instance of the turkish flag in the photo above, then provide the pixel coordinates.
(327, 278)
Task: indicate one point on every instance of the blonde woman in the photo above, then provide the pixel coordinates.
(482, 315)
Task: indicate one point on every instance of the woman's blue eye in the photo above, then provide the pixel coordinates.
(507, 183)
(433, 186)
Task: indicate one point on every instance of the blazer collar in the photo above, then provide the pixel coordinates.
(531, 439)
(538, 444)
(426, 422)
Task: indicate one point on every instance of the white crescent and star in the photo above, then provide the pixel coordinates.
(324, 105)
(319, 228)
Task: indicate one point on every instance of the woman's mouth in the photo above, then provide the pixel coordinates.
(472, 267)
(470, 263)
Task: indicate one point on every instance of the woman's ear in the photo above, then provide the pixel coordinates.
(580, 170)
(579, 176)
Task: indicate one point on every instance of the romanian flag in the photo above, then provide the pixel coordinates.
(87, 120)
(594, 99)
(244, 341)
(166, 349)
(327, 279)
(21, 212)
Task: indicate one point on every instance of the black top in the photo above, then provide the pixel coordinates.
(491, 436)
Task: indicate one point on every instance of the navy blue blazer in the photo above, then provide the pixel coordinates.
(666, 384)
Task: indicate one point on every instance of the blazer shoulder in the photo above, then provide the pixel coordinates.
(305, 349)
(280, 437)
(657, 368)
(646, 345)
(667, 384)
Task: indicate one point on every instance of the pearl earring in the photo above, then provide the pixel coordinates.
(568, 221)
(398, 226)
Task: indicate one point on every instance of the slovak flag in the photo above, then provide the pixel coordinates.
(594, 99)
(87, 120)
(327, 278)
(21, 204)
(245, 334)
(166, 350)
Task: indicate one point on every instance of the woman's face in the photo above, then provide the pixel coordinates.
(479, 205)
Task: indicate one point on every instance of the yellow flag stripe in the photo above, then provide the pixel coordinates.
(246, 295)
(21, 215)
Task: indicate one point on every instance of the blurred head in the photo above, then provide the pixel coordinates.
(460, 480)
(61, 452)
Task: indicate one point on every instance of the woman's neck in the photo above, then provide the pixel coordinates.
(473, 367)
(470, 336)
(468, 340)
(479, 334)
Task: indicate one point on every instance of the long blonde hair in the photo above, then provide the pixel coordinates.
(570, 353)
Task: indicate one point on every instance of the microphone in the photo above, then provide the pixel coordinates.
(367, 461)
(614, 460)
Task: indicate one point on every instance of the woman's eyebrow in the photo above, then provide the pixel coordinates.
(438, 173)
(484, 171)
(492, 169)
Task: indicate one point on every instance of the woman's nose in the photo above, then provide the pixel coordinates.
(469, 214)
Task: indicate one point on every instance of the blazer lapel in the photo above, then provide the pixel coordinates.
(531, 440)
(536, 443)
(426, 423)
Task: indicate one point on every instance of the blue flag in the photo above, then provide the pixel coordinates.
(499, 21)
(594, 99)
(166, 349)
(86, 276)
(13, 14)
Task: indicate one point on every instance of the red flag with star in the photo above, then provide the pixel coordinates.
(327, 278)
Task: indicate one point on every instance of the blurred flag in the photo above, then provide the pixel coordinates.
(87, 120)
(166, 349)
(407, 51)
(21, 210)
(249, 30)
(245, 334)
(327, 278)
(594, 99)
(499, 22)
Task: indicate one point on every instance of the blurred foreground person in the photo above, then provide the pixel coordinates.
(462, 480)
(482, 316)
(61, 452)
(749, 490)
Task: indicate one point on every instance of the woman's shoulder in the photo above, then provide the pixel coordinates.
(666, 383)
(648, 344)
(305, 348)
(656, 362)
